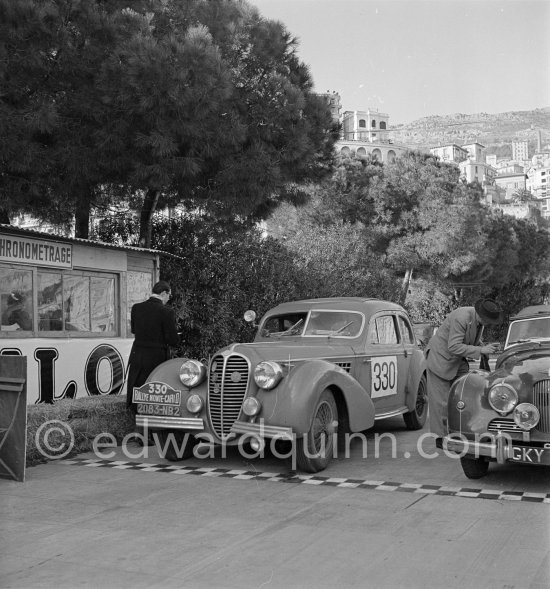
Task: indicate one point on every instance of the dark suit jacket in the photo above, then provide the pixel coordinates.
(454, 340)
(154, 327)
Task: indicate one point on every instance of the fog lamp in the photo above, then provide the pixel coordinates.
(251, 406)
(526, 416)
(192, 373)
(194, 403)
(268, 374)
(503, 398)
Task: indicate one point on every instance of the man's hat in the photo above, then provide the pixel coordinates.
(489, 311)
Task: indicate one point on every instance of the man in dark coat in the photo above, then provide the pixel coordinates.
(154, 327)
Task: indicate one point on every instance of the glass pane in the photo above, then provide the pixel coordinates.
(76, 303)
(406, 331)
(386, 330)
(337, 323)
(138, 286)
(50, 301)
(103, 304)
(16, 300)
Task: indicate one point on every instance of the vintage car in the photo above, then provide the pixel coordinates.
(315, 370)
(504, 415)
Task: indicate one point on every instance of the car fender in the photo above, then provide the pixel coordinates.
(292, 402)
(467, 409)
(168, 373)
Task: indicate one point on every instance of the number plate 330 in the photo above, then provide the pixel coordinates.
(383, 376)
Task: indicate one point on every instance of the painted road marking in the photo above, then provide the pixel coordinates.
(316, 480)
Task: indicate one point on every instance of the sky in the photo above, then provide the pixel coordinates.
(417, 58)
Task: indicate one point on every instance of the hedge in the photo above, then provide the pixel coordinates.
(86, 417)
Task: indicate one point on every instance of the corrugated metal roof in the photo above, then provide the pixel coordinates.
(14, 230)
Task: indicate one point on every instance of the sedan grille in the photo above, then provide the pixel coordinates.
(501, 424)
(541, 399)
(227, 384)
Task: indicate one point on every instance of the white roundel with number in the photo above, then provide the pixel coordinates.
(383, 376)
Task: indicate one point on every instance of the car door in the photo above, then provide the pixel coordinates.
(385, 367)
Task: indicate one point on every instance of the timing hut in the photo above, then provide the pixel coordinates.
(65, 305)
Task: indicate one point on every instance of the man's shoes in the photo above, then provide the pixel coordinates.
(439, 443)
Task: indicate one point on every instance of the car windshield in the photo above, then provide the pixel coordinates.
(283, 325)
(528, 329)
(315, 323)
(333, 323)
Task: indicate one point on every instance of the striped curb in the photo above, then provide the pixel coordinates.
(316, 480)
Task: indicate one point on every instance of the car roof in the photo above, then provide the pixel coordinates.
(366, 305)
(533, 311)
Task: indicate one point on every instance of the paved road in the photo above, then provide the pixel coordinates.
(234, 522)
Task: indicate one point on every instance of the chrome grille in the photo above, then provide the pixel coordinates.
(501, 424)
(541, 399)
(227, 384)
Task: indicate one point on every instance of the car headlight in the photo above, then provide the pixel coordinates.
(194, 404)
(268, 374)
(526, 415)
(503, 398)
(251, 406)
(192, 373)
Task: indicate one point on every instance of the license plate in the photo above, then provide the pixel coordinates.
(157, 398)
(164, 410)
(529, 455)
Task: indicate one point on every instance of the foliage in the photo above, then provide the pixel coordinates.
(194, 102)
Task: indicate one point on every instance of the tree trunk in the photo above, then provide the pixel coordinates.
(82, 213)
(405, 286)
(147, 212)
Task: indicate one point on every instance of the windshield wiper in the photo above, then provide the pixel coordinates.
(337, 331)
(290, 330)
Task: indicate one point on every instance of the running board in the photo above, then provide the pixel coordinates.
(393, 413)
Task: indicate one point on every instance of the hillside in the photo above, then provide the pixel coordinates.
(495, 131)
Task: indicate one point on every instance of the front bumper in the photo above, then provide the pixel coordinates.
(160, 422)
(501, 448)
(261, 430)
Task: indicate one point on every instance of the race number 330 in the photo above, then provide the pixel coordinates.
(383, 376)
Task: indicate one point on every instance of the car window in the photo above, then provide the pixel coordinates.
(382, 330)
(290, 323)
(406, 330)
(334, 323)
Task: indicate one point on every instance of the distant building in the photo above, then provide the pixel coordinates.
(475, 151)
(366, 133)
(450, 153)
(511, 183)
(335, 104)
(538, 180)
(491, 160)
(520, 151)
(477, 171)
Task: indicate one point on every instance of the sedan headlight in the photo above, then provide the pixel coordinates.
(526, 416)
(192, 373)
(268, 374)
(503, 398)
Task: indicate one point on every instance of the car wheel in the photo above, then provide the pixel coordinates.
(474, 468)
(416, 418)
(175, 445)
(314, 450)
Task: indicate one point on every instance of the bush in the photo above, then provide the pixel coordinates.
(86, 417)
